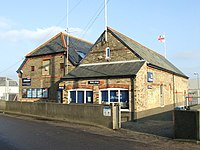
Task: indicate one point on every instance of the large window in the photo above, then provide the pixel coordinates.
(112, 95)
(80, 96)
(35, 93)
(46, 67)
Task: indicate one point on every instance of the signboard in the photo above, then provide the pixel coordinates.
(26, 81)
(94, 82)
(61, 86)
(107, 111)
(149, 76)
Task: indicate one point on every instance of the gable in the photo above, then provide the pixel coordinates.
(118, 51)
(57, 44)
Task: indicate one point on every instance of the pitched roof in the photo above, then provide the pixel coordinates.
(57, 44)
(105, 70)
(154, 59)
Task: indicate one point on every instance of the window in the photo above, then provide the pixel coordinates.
(46, 67)
(80, 96)
(35, 93)
(61, 66)
(32, 68)
(115, 95)
(107, 52)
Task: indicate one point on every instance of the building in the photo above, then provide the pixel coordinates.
(122, 70)
(9, 89)
(40, 73)
(193, 91)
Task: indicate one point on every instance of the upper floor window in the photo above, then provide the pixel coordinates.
(32, 68)
(107, 52)
(46, 67)
(62, 66)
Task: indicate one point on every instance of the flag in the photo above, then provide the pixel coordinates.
(161, 38)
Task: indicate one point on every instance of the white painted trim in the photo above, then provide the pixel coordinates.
(108, 90)
(115, 62)
(76, 90)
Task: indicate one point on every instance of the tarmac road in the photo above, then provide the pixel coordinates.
(20, 134)
(25, 133)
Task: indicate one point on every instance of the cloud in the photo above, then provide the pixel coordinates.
(4, 23)
(10, 34)
(40, 34)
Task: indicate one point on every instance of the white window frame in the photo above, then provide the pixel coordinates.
(107, 56)
(116, 89)
(77, 90)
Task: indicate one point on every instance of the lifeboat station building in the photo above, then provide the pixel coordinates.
(116, 69)
(121, 70)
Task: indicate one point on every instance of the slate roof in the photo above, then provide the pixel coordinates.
(56, 45)
(154, 59)
(105, 70)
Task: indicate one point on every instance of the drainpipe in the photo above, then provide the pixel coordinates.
(133, 113)
(174, 91)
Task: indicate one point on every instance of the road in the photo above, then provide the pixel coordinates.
(26, 134)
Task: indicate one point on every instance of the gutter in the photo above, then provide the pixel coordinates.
(166, 70)
(99, 77)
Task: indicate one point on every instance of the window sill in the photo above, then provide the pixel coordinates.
(125, 110)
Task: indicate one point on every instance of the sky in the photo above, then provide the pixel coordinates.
(25, 25)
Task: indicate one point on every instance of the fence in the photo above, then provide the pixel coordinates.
(85, 113)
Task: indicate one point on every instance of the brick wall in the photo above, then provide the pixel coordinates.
(43, 81)
(104, 83)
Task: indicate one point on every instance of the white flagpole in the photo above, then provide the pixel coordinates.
(67, 34)
(165, 47)
(106, 20)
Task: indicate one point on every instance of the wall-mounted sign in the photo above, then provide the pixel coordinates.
(149, 76)
(94, 82)
(26, 82)
(61, 86)
(107, 111)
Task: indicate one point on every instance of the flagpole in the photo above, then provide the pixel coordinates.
(106, 20)
(165, 47)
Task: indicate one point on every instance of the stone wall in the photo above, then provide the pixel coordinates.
(104, 83)
(88, 114)
(118, 52)
(148, 95)
(43, 81)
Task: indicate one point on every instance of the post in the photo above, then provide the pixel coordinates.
(106, 21)
(198, 95)
(116, 115)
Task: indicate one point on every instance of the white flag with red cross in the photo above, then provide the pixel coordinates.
(161, 38)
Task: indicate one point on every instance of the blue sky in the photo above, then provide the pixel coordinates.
(24, 25)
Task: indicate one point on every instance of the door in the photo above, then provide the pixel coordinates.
(59, 97)
(162, 103)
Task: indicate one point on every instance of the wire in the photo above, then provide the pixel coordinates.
(93, 19)
(11, 66)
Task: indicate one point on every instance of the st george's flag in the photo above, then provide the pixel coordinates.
(161, 38)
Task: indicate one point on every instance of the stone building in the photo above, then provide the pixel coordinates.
(122, 70)
(40, 73)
